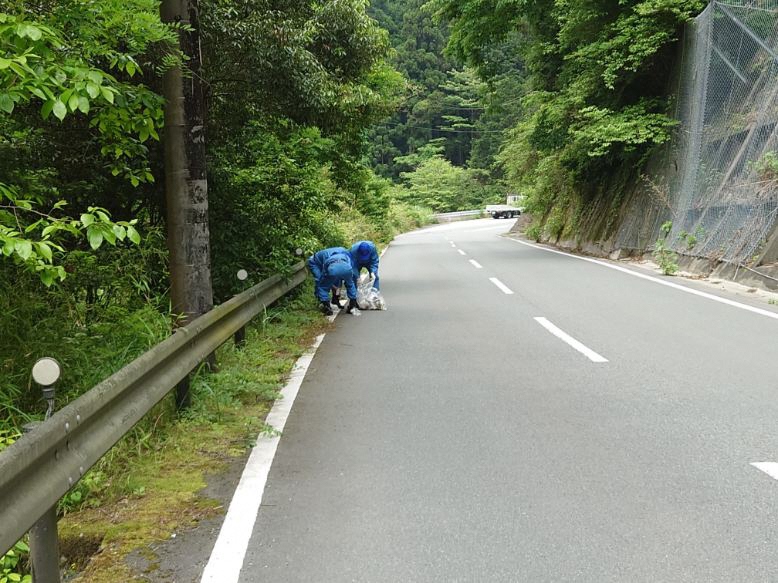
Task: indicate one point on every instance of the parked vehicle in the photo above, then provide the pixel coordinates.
(502, 211)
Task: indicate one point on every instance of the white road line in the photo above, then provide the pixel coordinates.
(588, 352)
(769, 468)
(504, 288)
(461, 252)
(677, 286)
(226, 559)
(476, 264)
(453, 244)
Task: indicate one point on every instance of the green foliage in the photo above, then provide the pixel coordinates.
(691, 239)
(315, 74)
(7, 437)
(418, 54)
(592, 106)
(316, 63)
(534, 232)
(70, 85)
(665, 257)
(438, 184)
(601, 131)
(767, 166)
(84, 494)
(405, 217)
(109, 310)
(71, 74)
(34, 243)
(13, 564)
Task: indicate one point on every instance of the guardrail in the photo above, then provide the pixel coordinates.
(458, 215)
(40, 468)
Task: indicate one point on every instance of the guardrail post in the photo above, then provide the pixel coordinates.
(44, 542)
(240, 337)
(44, 548)
(183, 394)
(240, 334)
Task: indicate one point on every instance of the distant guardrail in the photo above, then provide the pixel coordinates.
(40, 468)
(456, 216)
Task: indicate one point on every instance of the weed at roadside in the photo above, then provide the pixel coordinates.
(665, 257)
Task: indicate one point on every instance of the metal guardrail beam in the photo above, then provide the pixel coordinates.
(37, 470)
(454, 216)
(457, 214)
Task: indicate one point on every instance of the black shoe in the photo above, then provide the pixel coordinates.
(325, 308)
(336, 300)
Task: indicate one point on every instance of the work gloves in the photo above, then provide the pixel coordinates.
(325, 308)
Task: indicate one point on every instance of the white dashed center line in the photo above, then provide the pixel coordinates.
(769, 468)
(461, 252)
(476, 264)
(564, 337)
(504, 288)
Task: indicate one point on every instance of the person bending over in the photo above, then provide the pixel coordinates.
(331, 267)
(364, 254)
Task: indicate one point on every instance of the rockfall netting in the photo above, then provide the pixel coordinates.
(718, 179)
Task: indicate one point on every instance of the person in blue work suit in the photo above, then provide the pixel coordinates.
(365, 254)
(331, 267)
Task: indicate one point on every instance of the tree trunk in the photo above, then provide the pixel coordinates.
(186, 185)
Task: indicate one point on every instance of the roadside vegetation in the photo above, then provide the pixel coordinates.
(591, 98)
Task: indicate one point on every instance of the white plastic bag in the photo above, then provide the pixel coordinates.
(368, 297)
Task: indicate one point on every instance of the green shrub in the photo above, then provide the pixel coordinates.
(665, 257)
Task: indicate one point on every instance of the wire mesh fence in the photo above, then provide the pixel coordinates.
(717, 181)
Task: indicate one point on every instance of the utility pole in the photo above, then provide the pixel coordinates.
(186, 184)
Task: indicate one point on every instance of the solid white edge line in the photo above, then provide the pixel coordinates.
(461, 252)
(504, 288)
(769, 468)
(677, 286)
(226, 560)
(475, 264)
(586, 351)
(229, 551)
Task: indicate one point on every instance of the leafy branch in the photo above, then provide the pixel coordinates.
(38, 243)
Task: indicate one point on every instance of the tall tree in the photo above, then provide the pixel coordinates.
(186, 184)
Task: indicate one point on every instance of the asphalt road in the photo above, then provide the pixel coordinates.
(454, 437)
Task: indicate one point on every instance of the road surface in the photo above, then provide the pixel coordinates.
(523, 415)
